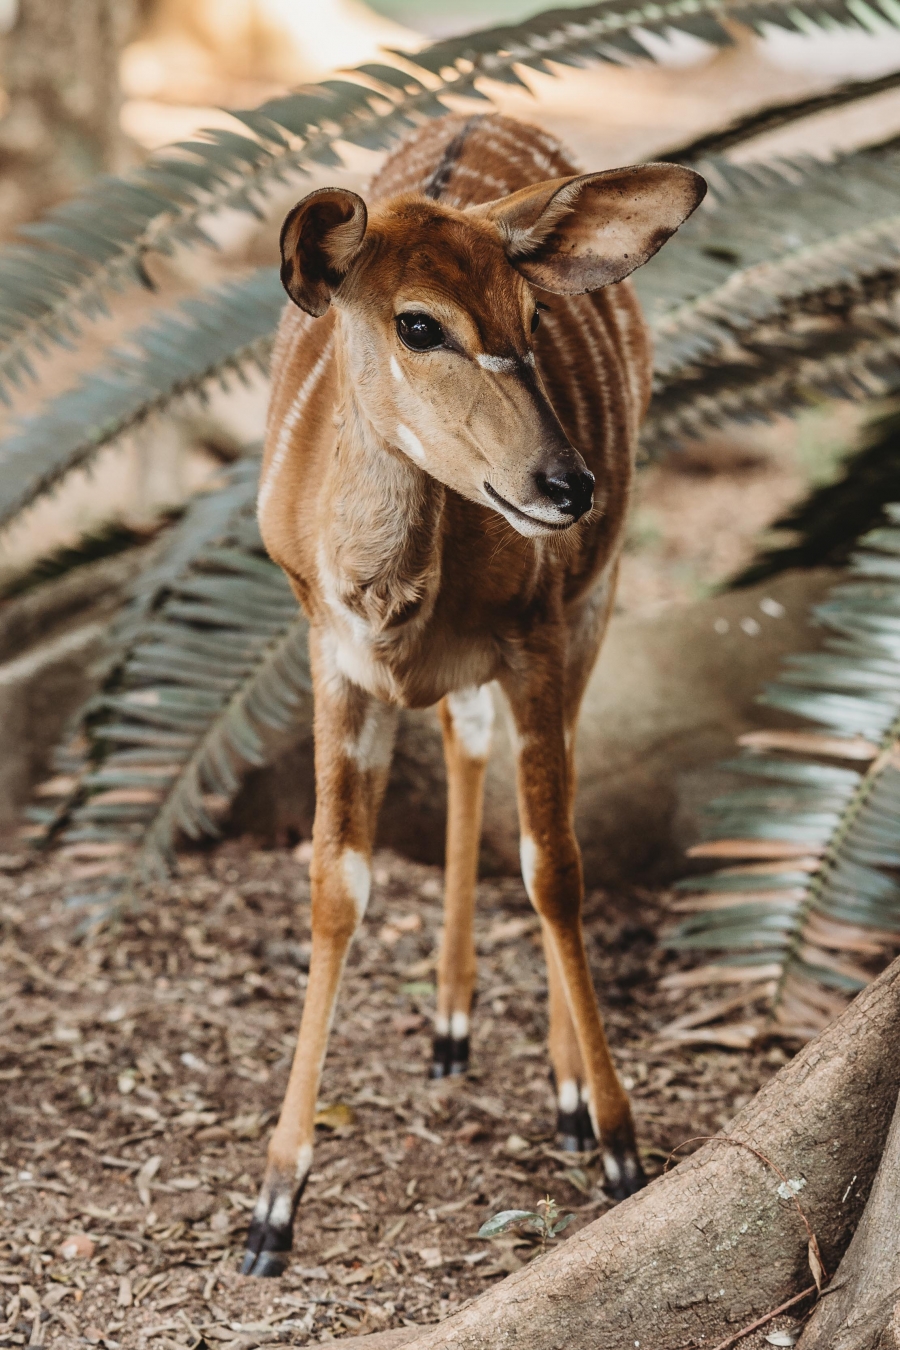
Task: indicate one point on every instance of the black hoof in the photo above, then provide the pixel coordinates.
(622, 1171)
(449, 1057)
(271, 1232)
(574, 1131)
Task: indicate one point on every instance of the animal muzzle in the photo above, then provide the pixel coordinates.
(570, 490)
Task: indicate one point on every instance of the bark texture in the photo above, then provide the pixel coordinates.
(61, 73)
(713, 1245)
(863, 1311)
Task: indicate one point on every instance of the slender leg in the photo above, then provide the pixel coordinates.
(467, 719)
(551, 867)
(354, 738)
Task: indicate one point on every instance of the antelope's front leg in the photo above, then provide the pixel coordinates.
(467, 719)
(551, 868)
(354, 737)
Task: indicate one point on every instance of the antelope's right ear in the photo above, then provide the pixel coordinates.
(320, 239)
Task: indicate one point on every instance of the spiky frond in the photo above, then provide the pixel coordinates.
(774, 116)
(783, 292)
(71, 258)
(227, 329)
(829, 520)
(212, 663)
(814, 836)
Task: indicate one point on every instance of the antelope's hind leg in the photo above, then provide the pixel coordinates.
(354, 738)
(551, 868)
(467, 720)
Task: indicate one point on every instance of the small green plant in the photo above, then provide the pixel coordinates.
(544, 1221)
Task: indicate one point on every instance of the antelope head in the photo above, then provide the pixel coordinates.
(437, 308)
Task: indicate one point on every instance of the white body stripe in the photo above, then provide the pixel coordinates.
(294, 413)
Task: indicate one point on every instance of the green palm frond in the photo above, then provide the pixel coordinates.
(829, 520)
(781, 293)
(208, 668)
(773, 116)
(812, 900)
(70, 259)
(224, 330)
(845, 354)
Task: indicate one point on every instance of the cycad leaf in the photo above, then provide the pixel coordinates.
(163, 737)
(809, 921)
(176, 355)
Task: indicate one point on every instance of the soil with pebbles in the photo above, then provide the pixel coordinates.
(142, 1067)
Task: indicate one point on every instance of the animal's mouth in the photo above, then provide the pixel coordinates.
(534, 521)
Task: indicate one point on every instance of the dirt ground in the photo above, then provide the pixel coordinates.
(142, 1069)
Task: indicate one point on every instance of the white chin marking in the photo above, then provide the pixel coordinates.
(459, 1026)
(501, 364)
(441, 1025)
(528, 855)
(472, 711)
(411, 443)
(396, 371)
(357, 879)
(568, 1096)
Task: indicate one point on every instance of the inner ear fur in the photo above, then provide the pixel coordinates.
(320, 240)
(571, 235)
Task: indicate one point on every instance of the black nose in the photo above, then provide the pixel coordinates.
(572, 492)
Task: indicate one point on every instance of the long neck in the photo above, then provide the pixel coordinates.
(382, 542)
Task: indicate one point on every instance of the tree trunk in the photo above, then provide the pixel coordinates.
(714, 1244)
(61, 75)
(863, 1311)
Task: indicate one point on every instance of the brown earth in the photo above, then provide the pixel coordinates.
(142, 1068)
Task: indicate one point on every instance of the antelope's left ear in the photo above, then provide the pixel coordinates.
(572, 235)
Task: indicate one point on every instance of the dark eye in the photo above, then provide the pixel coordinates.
(419, 332)
(535, 320)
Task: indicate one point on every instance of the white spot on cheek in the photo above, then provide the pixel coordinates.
(568, 1095)
(500, 364)
(357, 879)
(528, 856)
(395, 370)
(441, 1025)
(411, 443)
(459, 1026)
(472, 713)
(529, 358)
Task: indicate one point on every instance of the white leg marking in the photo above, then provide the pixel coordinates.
(304, 1161)
(459, 1026)
(568, 1095)
(472, 711)
(611, 1168)
(396, 371)
(411, 443)
(357, 879)
(528, 855)
(373, 746)
(280, 1213)
(293, 416)
(441, 1025)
